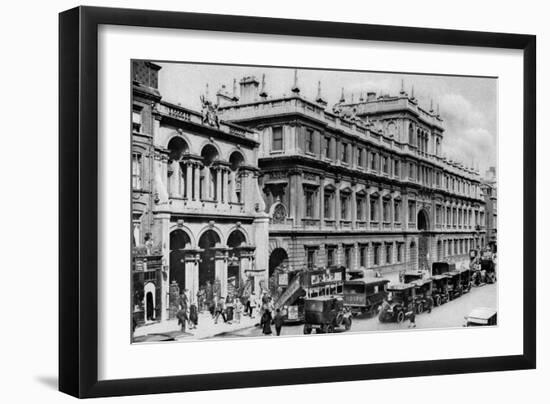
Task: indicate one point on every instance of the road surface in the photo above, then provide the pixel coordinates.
(450, 314)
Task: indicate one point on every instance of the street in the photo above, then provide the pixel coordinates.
(450, 314)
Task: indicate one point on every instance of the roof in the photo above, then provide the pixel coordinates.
(412, 272)
(421, 282)
(324, 298)
(366, 281)
(401, 286)
(481, 313)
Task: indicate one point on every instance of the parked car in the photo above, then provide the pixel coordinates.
(454, 285)
(423, 289)
(410, 276)
(481, 316)
(401, 300)
(326, 313)
(465, 279)
(440, 289)
(365, 295)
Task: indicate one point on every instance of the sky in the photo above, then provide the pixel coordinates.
(467, 105)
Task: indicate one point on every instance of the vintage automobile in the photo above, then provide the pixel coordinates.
(409, 276)
(401, 300)
(440, 290)
(488, 268)
(465, 279)
(481, 316)
(422, 291)
(325, 313)
(454, 285)
(442, 267)
(365, 295)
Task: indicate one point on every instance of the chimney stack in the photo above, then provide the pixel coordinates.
(249, 89)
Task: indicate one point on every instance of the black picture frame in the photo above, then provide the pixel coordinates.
(78, 196)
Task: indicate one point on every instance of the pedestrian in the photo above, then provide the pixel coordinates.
(220, 311)
(181, 315)
(238, 310)
(412, 319)
(193, 315)
(251, 304)
(430, 302)
(266, 322)
(278, 321)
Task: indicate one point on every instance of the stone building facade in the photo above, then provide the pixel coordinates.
(364, 185)
(197, 211)
(489, 189)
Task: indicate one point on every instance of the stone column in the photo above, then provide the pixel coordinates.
(261, 238)
(353, 204)
(225, 187)
(197, 169)
(219, 180)
(206, 184)
(233, 187)
(174, 178)
(192, 272)
(321, 201)
(380, 211)
(220, 259)
(161, 237)
(189, 180)
(337, 207)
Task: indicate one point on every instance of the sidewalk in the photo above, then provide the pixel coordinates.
(205, 329)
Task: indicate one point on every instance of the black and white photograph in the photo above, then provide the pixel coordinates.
(288, 201)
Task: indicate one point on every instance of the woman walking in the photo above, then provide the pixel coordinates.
(266, 322)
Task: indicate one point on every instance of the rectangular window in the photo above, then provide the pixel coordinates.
(277, 139)
(136, 121)
(388, 253)
(347, 257)
(344, 156)
(136, 170)
(344, 202)
(327, 147)
(309, 141)
(373, 162)
(396, 168)
(386, 207)
(396, 209)
(412, 212)
(310, 257)
(399, 252)
(363, 256)
(376, 254)
(360, 208)
(359, 157)
(373, 214)
(328, 205)
(310, 200)
(330, 256)
(386, 165)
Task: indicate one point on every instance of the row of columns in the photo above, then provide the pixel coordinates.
(187, 182)
(221, 262)
(460, 216)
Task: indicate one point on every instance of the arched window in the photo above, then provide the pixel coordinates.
(177, 147)
(208, 179)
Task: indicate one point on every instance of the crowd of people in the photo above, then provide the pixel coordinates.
(230, 309)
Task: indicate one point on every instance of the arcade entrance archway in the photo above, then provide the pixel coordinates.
(278, 257)
(179, 240)
(207, 266)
